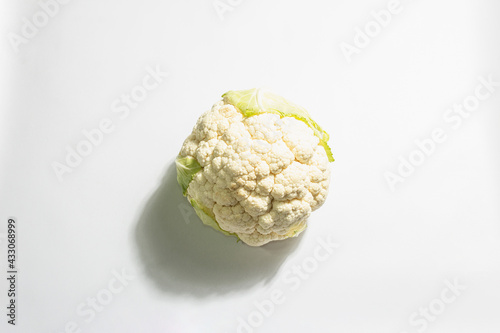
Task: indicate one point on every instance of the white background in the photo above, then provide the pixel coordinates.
(121, 209)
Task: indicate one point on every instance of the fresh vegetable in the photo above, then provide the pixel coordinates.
(255, 166)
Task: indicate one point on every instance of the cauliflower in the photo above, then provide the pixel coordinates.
(255, 166)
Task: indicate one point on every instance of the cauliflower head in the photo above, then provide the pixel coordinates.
(255, 166)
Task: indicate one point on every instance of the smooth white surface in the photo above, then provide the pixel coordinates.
(121, 208)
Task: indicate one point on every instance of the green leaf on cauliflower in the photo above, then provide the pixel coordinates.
(252, 102)
(208, 217)
(187, 167)
(295, 231)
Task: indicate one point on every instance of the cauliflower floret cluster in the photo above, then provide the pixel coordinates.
(259, 177)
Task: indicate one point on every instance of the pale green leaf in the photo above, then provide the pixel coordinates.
(187, 167)
(208, 217)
